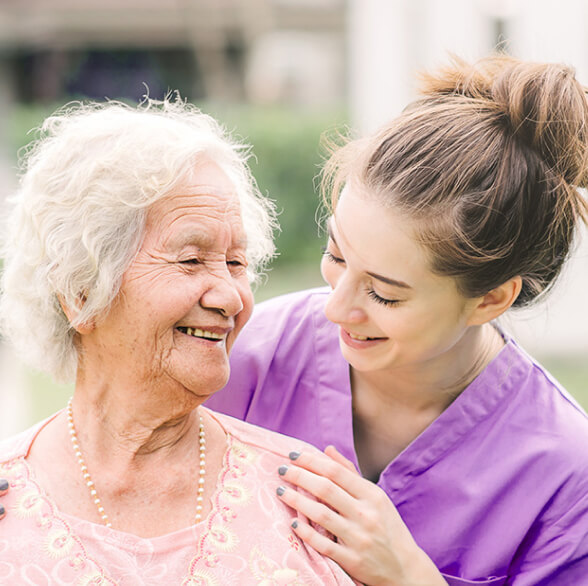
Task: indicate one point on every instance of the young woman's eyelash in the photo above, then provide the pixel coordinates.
(371, 293)
(387, 302)
(331, 257)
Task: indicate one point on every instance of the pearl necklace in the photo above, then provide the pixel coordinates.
(90, 484)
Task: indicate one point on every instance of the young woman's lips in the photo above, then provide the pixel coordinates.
(358, 342)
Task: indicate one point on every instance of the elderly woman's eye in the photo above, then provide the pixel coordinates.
(235, 263)
(190, 261)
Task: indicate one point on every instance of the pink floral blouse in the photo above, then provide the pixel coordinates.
(246, 538)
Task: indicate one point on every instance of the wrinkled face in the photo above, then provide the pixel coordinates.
(393, 312)
(186, 295)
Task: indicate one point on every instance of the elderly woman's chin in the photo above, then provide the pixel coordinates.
(201, 362)
(200, 376)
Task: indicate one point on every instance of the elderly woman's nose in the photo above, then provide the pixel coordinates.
(223, 294)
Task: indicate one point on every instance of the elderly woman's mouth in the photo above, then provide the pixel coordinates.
(198, 333)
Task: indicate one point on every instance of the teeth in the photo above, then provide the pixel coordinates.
(198, 333)
(356, 337)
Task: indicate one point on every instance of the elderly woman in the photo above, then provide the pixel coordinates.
(129, 252)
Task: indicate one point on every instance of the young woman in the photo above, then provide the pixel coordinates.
(464, 206)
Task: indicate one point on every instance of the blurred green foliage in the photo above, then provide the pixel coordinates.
(572, 374)
(20, 127)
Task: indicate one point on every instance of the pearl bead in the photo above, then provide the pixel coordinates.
(90, 484)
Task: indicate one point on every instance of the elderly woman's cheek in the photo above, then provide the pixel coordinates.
(242, 318)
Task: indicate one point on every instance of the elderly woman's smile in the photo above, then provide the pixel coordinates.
(203, 334)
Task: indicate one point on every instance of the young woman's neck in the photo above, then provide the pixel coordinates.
(391, 409)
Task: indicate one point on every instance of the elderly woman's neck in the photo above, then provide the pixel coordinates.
(133, 423)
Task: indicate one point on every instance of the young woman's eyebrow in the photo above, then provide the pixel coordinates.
(389, 281)
(382, 278)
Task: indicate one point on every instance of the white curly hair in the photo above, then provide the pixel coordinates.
(78, 217)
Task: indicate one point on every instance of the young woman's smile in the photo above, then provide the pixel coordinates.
(359, 341)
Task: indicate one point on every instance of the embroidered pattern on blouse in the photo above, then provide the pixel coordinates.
(60, 542)
(269, 573)
(236, 489)
(224, 551)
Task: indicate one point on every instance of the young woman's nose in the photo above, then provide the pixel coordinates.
(343, 305)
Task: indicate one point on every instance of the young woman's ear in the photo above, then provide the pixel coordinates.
(72, 313)
(495, 302)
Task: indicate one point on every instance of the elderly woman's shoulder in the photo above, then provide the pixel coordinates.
(259, 439)
(18, 445)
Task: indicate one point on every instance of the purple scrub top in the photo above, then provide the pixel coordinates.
(495, 490)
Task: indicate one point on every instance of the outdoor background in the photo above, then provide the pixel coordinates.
(279, 74)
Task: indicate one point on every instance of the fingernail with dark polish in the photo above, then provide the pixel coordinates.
(280, 490)
(2, 510)
(294, 455)
(294, 524)
(282, 470)
(3, 484)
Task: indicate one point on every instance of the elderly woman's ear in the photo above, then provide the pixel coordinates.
(72, 314)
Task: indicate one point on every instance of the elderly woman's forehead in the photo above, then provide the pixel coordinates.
(201, 199)
(181, 215)
(197, 219)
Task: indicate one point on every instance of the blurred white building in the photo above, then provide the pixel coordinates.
(389, 40)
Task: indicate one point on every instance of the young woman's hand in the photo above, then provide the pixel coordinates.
(373, 545)
(4, 486)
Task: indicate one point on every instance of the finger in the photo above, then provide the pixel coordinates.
(318, 541)
(320, 487)
(316, 511)
(326, 467)
(336, 455)
(340, 554)
(4, 486)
